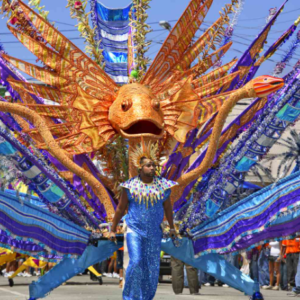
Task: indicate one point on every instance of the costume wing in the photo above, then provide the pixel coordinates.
(82, 90)
(186, 98)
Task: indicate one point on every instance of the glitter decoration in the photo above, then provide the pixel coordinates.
(144, 193)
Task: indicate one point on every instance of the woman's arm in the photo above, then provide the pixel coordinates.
(169, 215)
(119, 213)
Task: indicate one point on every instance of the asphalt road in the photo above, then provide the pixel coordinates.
(81, 288)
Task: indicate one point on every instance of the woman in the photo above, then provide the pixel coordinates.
(274, 264)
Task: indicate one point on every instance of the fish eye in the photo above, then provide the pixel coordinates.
(126, 104)
(266, 79)
(156, 104)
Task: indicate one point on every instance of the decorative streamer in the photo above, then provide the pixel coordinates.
(197, 140)
(139, 30)
(77, 11)
(230, 29)
(271, 213)
(280, 66)
(272, 12)
(112, 33)
(276, 116)
(248, 59)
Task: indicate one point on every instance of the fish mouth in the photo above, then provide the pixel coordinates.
(278, 83)
(143, 128)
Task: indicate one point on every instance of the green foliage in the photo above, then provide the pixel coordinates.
(36, 4)
(138, 18)
(93, 47)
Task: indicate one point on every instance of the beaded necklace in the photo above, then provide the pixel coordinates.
(148, 192)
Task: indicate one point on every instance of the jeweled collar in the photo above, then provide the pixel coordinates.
(145, 192)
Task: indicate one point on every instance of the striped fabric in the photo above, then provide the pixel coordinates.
(271, 213)
(112, 29)
(37, 232)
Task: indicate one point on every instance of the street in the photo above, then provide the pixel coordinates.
(81, 288)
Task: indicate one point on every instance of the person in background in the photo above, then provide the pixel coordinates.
(245, 269)
(283, 269)
(178, 277)
(8, 97)
(253, 255)
(11, 267)
(112, 267)
(292, 258)
(263, 267)
(296, 289)
(274, 264)
(210, 280)
(120, 255)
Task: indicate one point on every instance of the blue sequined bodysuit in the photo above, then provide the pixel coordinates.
(145, 214)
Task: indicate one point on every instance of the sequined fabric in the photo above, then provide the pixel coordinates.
(144, 238)
(148, 192)
(143, 269)
(142, 218)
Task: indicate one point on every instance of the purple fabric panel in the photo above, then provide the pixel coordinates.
(174, 159)
(283, 37)
(7, 120)
(24, 245)
(277, 231)
(190, 139)
(56, 163)
(200, 158)
(246, 59)
(222, 241)
(42, 236)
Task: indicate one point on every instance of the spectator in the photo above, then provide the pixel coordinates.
(292, 258)
(112, 267)
(178, 277)
(283, 269)
(296, 289)
(120, 255)
(245, 269)
(210, 280)
(7, 97)
(253, 257)
(274, 264)
(263, 267)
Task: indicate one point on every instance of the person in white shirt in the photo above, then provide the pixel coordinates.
(274, 264)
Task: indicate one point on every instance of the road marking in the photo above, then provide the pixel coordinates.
(14, 293)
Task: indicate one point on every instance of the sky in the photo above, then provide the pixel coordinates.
(251, 21)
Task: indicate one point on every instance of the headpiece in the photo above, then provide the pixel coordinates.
(147, 150)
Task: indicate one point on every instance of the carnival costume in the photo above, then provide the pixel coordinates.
(169, 101)
(144, 234)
